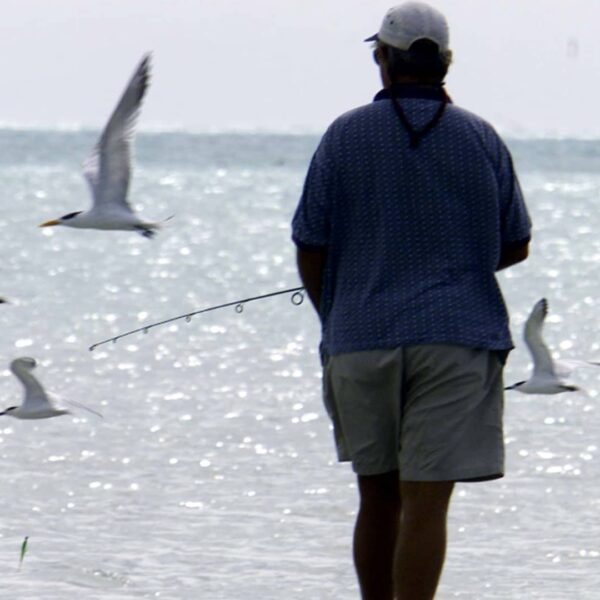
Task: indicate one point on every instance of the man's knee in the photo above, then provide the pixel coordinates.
(381, 489)
(425, 499)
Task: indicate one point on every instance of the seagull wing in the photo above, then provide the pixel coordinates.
(565, 366)
(107, 169)
(35, 395)
(543, 365)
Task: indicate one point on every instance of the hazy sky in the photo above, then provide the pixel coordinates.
(528, 66)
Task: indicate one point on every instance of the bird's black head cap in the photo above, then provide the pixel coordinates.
(71, 215)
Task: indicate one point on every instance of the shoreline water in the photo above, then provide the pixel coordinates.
(212, 474)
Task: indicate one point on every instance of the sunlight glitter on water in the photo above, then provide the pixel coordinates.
(213, 471)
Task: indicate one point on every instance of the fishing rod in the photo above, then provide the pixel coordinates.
(296, 299)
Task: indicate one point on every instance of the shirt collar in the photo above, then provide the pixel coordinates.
(426, 92)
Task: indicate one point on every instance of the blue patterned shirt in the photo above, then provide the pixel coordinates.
(413, 234)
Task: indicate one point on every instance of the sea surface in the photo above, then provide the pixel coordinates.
(212, 473)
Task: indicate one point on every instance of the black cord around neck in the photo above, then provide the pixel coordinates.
(416, 135)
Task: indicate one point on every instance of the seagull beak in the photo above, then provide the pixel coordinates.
(50, 223)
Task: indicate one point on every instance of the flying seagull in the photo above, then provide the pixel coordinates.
(36, 404)
(108, 168)
(547, 373)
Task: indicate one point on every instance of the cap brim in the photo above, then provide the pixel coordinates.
(373, 38)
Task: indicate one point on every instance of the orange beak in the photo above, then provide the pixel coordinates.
(50, 223)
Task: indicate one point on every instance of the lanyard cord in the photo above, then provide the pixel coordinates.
(416, 135)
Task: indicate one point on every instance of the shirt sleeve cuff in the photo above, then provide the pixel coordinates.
(517, 244)
(308, 247)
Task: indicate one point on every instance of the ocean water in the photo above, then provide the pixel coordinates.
(212, 474)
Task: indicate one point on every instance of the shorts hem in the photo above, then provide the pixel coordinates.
(471, 476)
(373, 470)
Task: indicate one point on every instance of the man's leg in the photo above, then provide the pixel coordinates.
(376, 533)
(421, 544)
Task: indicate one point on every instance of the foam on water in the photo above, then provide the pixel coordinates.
(212, 474)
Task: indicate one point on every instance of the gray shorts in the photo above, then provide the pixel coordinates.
(433, 412)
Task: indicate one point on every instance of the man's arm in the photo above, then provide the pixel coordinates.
(311, 265)
(512, 255)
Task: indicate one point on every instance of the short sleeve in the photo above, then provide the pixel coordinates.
(311, 222)
(515, 222)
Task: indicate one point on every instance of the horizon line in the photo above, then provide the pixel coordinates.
(157, 129)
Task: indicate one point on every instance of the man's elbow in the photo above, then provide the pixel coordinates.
(513, 256)
(311, 266)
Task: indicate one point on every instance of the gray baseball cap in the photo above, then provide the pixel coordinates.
(411, 21)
